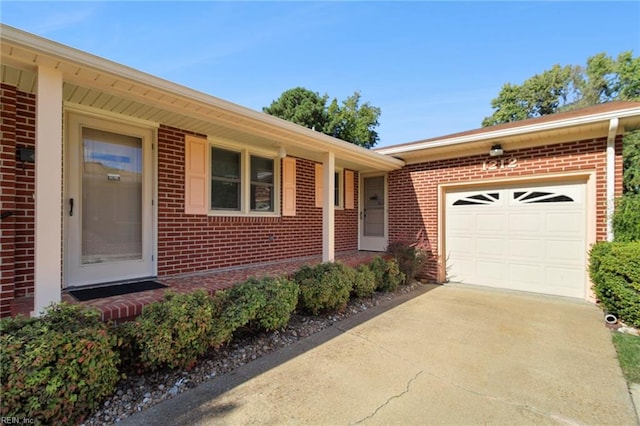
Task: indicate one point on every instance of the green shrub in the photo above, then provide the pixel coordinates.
(410, 257)
(615, 272)
(324, 287)
(242, 304)
(364, 281)
(172, 333)
(57, 368)
(264, 304)
(387, 273)
(626, 218)
(281, 297)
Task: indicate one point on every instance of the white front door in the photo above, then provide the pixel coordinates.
(108, 202)
(373, 214)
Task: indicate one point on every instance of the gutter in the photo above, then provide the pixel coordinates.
(611, 175)
(497, 134)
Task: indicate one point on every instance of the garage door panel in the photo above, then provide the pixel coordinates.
(565, 250)
(492, 223)
(460, 247)
(462, 270)
(526, 276)
(527, 248)
(526, 222)
(461, 223)
(490, 247)
(565, 223)
(487, 272)
(560, 281)
(530, 238)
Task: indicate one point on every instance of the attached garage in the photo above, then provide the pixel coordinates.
(517, 205)
(530, 238)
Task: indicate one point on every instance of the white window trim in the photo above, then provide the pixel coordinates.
(245, 180)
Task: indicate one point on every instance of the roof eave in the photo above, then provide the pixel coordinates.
(514, 131)
(53, 53)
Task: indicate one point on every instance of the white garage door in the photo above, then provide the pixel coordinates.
(526, 238)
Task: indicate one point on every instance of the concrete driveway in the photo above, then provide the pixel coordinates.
(451, 355)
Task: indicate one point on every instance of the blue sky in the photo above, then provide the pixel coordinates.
(432, 67)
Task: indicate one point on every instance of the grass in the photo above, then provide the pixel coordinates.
(628, 347)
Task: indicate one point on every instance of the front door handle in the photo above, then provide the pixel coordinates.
(70, 206)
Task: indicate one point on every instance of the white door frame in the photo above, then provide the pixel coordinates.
(76, 274)
(371, 243)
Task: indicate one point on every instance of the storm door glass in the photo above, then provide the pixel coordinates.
(374, 206)
(111, 206)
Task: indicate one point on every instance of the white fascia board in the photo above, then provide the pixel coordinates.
(319, 141)
(515, 131)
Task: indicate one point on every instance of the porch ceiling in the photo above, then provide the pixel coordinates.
(103, 85)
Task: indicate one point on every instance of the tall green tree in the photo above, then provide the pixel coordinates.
(300, 106)
(351, 120)
(602, 79)
(541, 94)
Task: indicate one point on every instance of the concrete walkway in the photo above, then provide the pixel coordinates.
(451, 355)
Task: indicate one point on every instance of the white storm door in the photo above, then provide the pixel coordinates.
(373, 214)
(108, 202)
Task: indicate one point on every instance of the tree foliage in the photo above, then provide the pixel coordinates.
(563, 88)
(351, 120)
(603, 79)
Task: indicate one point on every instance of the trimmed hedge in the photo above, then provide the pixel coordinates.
(264, 304)
(364, 281)
(324, 287)
(57, 368)
(281, 299)
(615, 271)
(387, 273)
(172, 333)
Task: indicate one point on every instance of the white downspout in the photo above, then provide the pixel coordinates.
(611, 175)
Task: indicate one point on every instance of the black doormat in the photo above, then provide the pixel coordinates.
(114, 290)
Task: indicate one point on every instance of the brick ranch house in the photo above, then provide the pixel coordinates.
(109, 174)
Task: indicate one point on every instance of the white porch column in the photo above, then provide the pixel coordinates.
(48, 196)
(328, 209)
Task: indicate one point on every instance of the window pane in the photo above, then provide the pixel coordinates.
(225, 195)
(225, 164)
(336, 190)
(225, 179)
(262, 198)
(112, 210)
(261, 169)
(261, 184)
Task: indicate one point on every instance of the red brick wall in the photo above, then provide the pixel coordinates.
(25, 190)
(413, 190)
(17, 112)
(7, 196)
(190, 243)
